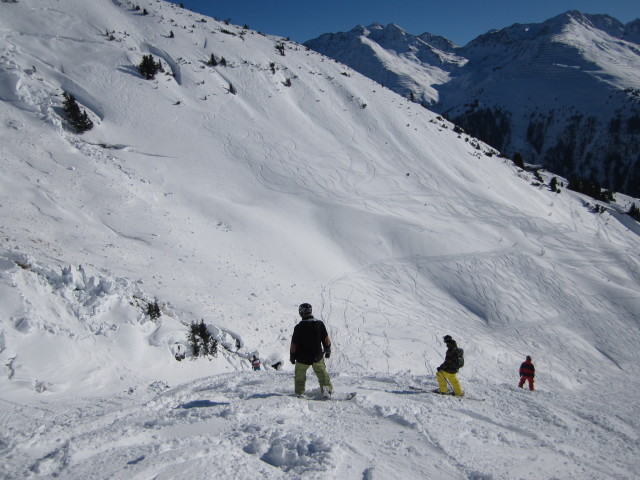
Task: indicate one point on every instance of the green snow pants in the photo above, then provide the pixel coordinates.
(319, 369)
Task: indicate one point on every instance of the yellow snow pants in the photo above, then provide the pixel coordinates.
(301, 376)
(444, 377)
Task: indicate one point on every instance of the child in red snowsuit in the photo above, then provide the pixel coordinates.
(527, 372)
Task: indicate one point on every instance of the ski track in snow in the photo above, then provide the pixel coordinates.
(235, 424)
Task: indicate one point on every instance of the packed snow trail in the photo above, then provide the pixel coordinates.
(248, 424)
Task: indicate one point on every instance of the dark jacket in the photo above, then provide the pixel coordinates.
(450, 364)
(527, 369)
(310, 339)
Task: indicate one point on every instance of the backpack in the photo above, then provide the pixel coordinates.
(460, 357)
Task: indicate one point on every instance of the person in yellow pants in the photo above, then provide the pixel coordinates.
(446, 374)
(310, 345)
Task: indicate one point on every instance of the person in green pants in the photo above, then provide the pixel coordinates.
(310, 345)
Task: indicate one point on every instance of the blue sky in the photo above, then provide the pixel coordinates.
(458, 20)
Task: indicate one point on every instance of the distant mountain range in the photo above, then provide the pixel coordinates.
(564, 93)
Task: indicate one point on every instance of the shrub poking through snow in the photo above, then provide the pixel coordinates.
(153, 310)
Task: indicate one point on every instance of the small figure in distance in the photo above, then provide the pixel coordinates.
(180, 355)
(255, 363)
(527, 372)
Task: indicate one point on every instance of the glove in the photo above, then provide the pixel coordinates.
(292, 359)
(439, 368)
(327, 352)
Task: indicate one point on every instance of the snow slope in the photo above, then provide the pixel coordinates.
(233, 209)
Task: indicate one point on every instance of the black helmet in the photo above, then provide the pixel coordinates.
(304, 309)
(447, 339)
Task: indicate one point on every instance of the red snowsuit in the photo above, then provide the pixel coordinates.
(527, 372)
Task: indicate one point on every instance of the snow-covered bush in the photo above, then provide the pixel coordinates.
(201, 341)
(78, 119)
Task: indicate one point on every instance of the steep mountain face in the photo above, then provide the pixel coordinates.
(234, 191)
(565, 93)
(407, 64)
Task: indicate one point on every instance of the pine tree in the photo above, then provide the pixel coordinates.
(193, 339)
(634, 211)
(148, 67)
(205, 335)
(153, 310)
(78, 119)
(201, 341)
(517, 160)
(212, 61)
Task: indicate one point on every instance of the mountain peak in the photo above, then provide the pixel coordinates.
(389, 34)
(632, 31)
(603, 22)
(557, 25)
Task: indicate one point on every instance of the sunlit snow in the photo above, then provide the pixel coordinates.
(234, 208)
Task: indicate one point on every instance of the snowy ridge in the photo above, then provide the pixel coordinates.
(403, 62)
(310, 183)
(89, 320)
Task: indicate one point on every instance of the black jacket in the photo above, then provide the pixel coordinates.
(450, 364)
(309, 340)
(527, 369)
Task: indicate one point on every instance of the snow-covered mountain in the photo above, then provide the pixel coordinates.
(229, 194)
(407, 64)
(564, 93)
